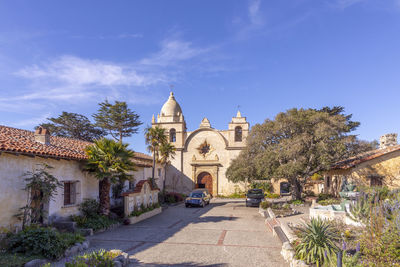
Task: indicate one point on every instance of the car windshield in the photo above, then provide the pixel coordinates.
(255, 192)
(196, 195)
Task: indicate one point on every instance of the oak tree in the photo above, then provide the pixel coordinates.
(295, 145)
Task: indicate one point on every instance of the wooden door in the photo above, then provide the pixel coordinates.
(204, 180)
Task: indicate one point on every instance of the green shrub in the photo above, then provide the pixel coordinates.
(324, 196)
(265, 205)
(296, 202)
(15, 259)
(235, 195)
(41, 241)
(380, 240)
(309, 193)
(330, 201)
(71, 239)
(317, 242)
(360, 210)
(278, 206)
(272, 195)
(99, 258)
(143, 209)
(172, 197)
(96, 223)
(267, 186)
(89, 208)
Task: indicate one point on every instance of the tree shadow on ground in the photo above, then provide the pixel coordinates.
(161, 229)
(136, 263)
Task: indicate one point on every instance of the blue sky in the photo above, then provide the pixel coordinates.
(266, 56)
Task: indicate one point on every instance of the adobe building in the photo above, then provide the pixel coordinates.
(23, 151)
(379, 167)
(203, 155)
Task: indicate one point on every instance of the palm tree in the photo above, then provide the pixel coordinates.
(154, 138)
(167, 151)
(110, 161)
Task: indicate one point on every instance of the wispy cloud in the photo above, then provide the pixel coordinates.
(109, 36)
(77, 71)
(76, 80)
(254, 12)
(342, 4)
(173, 51)
(252, 22)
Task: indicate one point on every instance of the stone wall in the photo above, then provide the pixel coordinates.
(13, 197)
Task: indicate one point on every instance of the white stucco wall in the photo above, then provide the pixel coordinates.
(13, 197)
(143, 173)
(182, 175)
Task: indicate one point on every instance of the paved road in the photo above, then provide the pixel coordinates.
(225, 233)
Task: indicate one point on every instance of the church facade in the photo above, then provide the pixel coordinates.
(203, 155)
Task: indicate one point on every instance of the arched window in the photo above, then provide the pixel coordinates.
(238, 134)
(172, 135)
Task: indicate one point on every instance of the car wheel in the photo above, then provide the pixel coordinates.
(187, 206)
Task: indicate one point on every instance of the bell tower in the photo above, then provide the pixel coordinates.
(171, 119)
(238, 131)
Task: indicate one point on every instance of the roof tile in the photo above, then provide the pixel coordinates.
(360, 158)
(22, 141)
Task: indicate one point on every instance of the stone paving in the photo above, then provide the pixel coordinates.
(225, 233)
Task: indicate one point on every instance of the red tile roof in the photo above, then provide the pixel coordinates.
(139, 186)
(23, 142)
(360, 158)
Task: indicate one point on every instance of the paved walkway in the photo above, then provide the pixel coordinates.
(225, 233)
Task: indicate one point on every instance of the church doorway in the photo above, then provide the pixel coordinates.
(204, 180)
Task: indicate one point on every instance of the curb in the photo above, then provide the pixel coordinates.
(283, 233)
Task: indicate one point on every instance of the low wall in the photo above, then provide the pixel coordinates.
(327, 214)
(144, 216)
(284, 234)
(330, 214)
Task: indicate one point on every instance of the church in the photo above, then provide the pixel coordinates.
(203, 155)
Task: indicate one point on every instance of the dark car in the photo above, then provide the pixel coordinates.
(197, 198)
(254, 197)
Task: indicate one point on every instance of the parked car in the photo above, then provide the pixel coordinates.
(254, 197)
(205, 191)
(198, 197)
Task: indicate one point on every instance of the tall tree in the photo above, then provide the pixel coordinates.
(110, 162)
(167, 152)
(155, 137)
(295, 145)
(73, 125)
(117, 119)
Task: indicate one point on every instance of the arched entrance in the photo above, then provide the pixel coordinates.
(204, 180)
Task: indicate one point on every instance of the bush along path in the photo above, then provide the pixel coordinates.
(36, 244)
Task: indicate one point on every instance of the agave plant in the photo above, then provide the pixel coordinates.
(361, 209)
(317, 243)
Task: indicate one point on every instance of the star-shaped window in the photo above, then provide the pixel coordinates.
(204, 148)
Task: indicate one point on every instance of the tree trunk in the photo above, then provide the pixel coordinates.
(154, 163)
(165, 177)
(105, 186)
(296, 190)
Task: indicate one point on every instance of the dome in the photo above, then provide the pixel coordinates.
(171, 107)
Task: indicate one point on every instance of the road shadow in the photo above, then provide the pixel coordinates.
(137, 263)
(136, 238)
